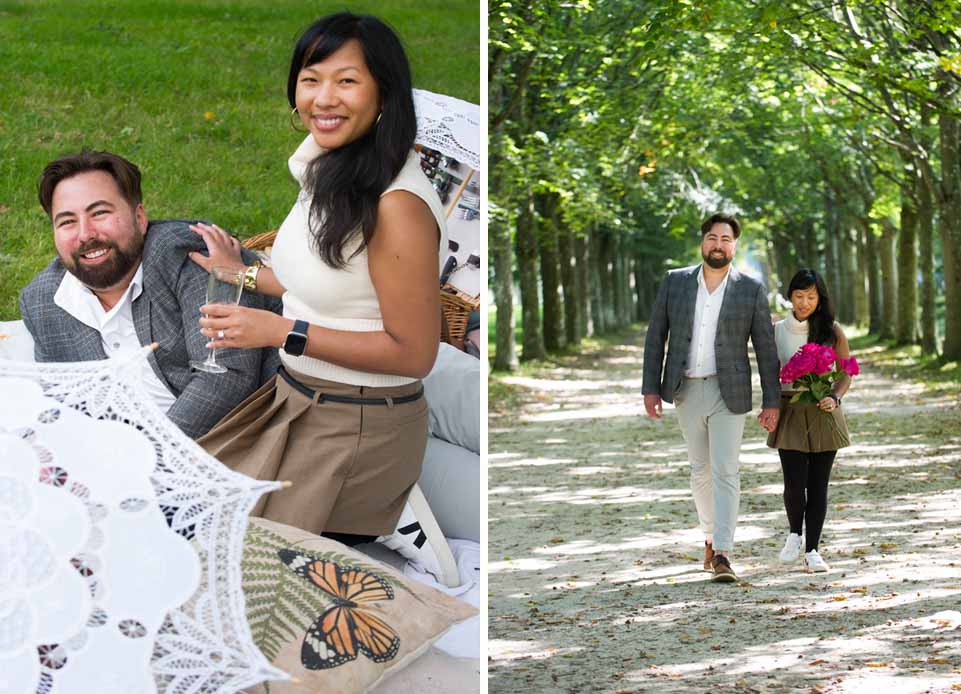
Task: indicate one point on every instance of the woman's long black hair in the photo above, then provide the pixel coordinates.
(821, 321)
(345, 184)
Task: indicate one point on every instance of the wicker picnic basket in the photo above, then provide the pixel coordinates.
(261, 242)
(455, 306)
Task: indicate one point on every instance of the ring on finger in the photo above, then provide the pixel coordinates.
(220, 334)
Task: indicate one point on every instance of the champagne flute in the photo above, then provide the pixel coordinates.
(224, 286)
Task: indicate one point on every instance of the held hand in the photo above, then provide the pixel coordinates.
(827, 404)
(653, 405)
(223, 250)
(242, 327)
(768, 418)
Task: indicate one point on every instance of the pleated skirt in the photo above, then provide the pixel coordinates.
(804, 427)
(351, 466)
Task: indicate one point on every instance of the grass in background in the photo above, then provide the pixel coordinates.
(907, 363)
(194, 93)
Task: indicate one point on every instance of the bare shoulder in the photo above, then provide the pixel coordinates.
(841, 340)
(402, 205)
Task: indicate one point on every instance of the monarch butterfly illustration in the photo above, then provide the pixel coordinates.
(344, 629)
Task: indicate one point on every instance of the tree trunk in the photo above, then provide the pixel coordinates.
(598, 270)
(873, 270)
(859, 278)
(831, 274)
(553, 312)
(812, 259)
(569, 283)
(583, 285)
(929, 339)
(907, 261)
(889, 281)
(617, 278)
(641, 284)
(605, 270)
(532, 341)
(847, 268)
(627, 276)
(500, 241)
(950, 231)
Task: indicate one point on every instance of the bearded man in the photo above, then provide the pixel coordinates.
(121, 282)
(706, 313)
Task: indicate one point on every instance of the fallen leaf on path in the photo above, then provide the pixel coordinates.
(817, 662)
(838, 598)
(888, 545)
(881, 664)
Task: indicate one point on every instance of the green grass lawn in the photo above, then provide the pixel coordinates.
(193, 92)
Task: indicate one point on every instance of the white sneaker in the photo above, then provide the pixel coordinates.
(792, 548)
(813, 562)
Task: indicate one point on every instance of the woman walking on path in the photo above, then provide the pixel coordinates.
(806, 440)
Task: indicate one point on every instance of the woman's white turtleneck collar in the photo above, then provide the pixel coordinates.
(799, 327)
(306, 153)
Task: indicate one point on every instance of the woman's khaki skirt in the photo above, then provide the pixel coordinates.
(352, 466)
(804, 427)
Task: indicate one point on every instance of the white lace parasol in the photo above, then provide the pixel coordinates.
(120, 542)
(449, 125)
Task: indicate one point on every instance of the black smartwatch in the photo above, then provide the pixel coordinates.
(837, 400)
(296, 341)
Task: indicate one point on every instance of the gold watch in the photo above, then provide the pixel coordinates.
(250, 276)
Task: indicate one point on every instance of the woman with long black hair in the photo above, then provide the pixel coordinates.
(357, 264)
(808, 436)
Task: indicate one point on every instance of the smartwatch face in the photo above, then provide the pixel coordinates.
(295, 344)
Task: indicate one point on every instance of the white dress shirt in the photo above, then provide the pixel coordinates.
(117, 332)
(701, 360)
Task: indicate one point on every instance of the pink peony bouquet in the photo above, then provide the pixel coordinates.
(813, 371)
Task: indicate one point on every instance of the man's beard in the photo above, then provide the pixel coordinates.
(108, 273)
(714, 261)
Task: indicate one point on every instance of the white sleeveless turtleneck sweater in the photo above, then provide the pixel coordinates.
(789, 335)
(339, 299)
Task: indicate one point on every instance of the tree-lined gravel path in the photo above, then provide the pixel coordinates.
(595, 579)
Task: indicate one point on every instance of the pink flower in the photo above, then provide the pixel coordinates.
(811, 348)
(805, 363)
(826, 358)
(788, 373)
(850, 366)
(799, 365)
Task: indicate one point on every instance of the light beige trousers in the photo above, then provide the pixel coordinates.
(713, 435)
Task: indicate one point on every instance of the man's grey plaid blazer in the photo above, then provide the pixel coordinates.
(744, 313)
(167, 311)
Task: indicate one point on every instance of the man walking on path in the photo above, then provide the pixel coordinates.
(707, 312)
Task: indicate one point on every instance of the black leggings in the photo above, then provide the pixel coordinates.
(806, 477)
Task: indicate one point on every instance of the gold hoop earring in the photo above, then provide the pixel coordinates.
(293, 122)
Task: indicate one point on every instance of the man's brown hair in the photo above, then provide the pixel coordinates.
(126, 175)
(721, 219)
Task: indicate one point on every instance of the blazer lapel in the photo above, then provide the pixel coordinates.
(89, 343)
(141, 322)
(689, 300)
(727, 302)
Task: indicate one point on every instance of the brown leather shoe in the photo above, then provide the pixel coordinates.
(723, 573)
(708, 556)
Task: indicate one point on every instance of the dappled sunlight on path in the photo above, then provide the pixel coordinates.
(595, 558)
